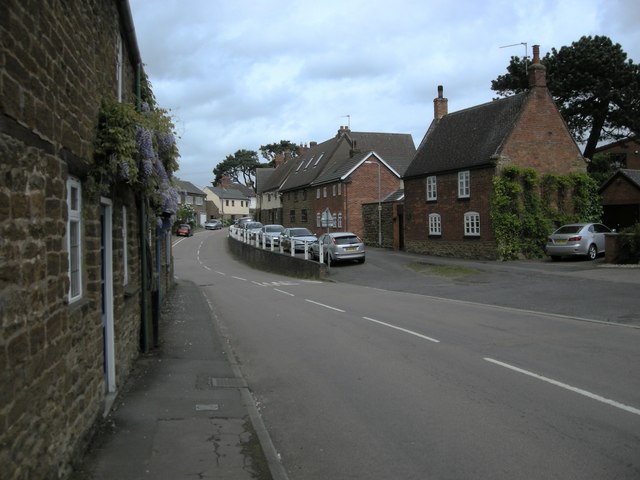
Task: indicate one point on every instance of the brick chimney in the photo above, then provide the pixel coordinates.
(343, 130)
(537, 71)
(279, 160)
(440, 105)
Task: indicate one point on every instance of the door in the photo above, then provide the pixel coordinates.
(106, 282)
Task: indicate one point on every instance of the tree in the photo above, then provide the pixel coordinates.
(270, 151)
(239, 167)
(596, 88)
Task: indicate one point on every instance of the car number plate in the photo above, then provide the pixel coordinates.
(561, 242)
(351, 249)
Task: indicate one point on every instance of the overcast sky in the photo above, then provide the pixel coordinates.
(238, 74)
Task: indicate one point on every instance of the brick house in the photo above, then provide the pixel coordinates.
(621, 199)
(341, 174)
(77, 303)
(449, 182)
(192, 195)
(624, 153)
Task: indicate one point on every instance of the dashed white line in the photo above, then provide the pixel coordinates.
(579, 391)
(410, 332)
(240, 278)
(220, 273)
(282, 291)
(208, 268)
(325, 306)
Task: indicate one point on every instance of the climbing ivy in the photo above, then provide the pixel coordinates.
(525, 208)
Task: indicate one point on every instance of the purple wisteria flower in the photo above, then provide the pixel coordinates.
(144, 140)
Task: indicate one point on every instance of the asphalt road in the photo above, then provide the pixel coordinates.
(449, 373)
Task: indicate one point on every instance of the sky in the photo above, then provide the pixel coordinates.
(239, 74)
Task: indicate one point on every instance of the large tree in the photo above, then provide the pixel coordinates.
(595, 86)
(241, 166)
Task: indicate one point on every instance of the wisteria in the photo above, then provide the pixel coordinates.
(144, 140)
(123, 170)
(166, 144)
(170, 198)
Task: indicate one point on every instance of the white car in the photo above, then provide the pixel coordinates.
(338, 246)
(299, 236)
(271, 234)
(577, 239)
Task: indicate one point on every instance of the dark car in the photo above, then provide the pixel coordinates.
(338, 246)
(213, 225)
(577, 239)
(184, 230)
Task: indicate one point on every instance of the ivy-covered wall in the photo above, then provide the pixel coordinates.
(526, 207)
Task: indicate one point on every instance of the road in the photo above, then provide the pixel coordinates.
(357, 381)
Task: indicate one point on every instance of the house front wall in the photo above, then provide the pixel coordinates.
(626, 153)
(52, 357)
(541, 140)
(297, 208)
(452, 240)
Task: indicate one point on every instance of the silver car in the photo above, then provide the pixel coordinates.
(577, 239)
(298, 236)
(339, 246)
(271, 234)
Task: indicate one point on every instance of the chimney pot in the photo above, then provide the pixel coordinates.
(537, 71)
(440, 104)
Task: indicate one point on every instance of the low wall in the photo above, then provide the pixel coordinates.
(276, 262)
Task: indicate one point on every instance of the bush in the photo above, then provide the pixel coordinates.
(629, 245)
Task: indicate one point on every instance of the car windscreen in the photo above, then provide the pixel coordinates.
(274, 228)
(347, 240)
(569, 229)
(299, 232)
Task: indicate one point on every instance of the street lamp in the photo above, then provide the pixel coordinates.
(379, 204)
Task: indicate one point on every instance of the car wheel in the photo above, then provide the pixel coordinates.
(361, 260)
(555, 258)
(592, 253)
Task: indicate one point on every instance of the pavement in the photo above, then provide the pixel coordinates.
(185, 411)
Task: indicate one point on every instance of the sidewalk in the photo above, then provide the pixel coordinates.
(185, 412)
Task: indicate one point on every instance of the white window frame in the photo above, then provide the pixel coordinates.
(188, 199)
(339, 189)
(318, 192)
(74, 238)
(339, 224)
(318, 219)
(125, 247)
(199, 201)
(335, 190)
(464, 184)
(324, 192)
(435, 224)
(472, 224)
(432, 188)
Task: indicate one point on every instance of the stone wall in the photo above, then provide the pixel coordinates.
(59, 62)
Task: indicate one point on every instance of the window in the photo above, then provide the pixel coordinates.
(318, 219)
(304, 194)
(464, 181)
(125, 247)
(233, 203)
(339, 189)
(74, 236)
(324, 192)
(188, 199)
(432, 191)
(292, 216)
(339, 224)
(198, 200)
(295, 196)
(335, 190)
(226, 202)
(472, 224)
(303, 216)
(318, 192)
(268, 197)
(435, 224)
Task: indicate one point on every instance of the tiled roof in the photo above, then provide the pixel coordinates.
(632, 175)
(467, 138)
(228, 193)
(262, 177)
(188, 187)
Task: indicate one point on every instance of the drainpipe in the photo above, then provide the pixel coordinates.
(145, 340)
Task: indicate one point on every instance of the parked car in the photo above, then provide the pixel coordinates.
(338, 246)
(577, 239)
(271, 234)
(184, 230)
(252, 228)
(297, 235)
(241, 221)
(213, 225)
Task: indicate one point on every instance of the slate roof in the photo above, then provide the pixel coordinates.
(228, 193)
(467, 138)
(188, 187)
(306, 168)
(395, 149)
(262, 177)
(279, 175)
(632, 175)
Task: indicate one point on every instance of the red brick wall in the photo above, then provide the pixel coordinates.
(541, 140)
(452, 242)
(620, 192)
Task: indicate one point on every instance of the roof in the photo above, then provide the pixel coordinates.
(467, 138)
(633, 176)
(278, 176)
(188, 187)
(620, 143)
(262, 177)
(228, 193)
(334, 159)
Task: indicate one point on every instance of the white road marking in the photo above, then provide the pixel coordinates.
(208, 268)
(580, 391)
(325, 306)
(220, 273)
(257, 283)
(282, 291)
(240, 278)
(410, 332)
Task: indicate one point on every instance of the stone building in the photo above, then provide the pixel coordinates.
(81, 279)
(449, 182)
